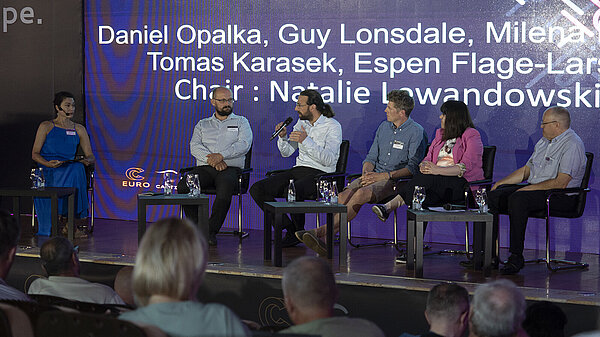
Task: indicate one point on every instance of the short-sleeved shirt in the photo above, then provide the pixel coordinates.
(563, 154)
(397, 147)
(337, 327)
(189, 319)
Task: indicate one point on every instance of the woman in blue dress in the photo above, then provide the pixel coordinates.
(54, 150)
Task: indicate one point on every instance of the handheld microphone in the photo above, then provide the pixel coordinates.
(278, 131)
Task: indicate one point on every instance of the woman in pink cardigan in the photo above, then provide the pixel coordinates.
(453, 159)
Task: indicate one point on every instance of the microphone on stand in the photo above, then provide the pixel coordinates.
(278, 131)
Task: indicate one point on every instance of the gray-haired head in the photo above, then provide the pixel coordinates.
(309, 283)
(497, 309)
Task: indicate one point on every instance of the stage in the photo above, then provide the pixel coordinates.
(375, 287)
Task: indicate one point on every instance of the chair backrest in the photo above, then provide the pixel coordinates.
(489, 155)
(92, 308)
(67, 324)
(246, 177)
(248, 158)
(343, 159)
(14, 322)
(581, 198)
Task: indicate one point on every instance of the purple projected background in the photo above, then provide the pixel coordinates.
(506, 59)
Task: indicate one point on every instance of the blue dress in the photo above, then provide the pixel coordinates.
(61, 144)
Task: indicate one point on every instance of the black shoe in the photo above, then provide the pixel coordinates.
(212, 239)
(380, 211)
(469, 263)
(514, 264)
(401, 259)
(290, 240)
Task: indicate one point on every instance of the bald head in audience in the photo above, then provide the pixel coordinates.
(497, 310)
(124, 285)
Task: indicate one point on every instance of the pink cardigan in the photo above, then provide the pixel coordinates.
(467, 150)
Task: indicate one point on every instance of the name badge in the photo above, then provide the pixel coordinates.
(71, 133)
(232, 128)
(398, 145)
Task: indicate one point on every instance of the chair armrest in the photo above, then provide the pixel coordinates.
(352, 176)
(186, 169)
(246, 170)
(270, 173)
(481, 182)
(331, 175)
(563, 191)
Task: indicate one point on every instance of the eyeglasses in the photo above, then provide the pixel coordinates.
(544, 123)
(224, 100)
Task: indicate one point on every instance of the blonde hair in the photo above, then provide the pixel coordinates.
(170, 261)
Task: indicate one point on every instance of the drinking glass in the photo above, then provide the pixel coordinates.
(418, 198)
(481, 199)
(37, 178)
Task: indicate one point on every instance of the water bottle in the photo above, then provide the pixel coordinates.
(167, 183)
(334, 193)
(291, 197)
(41, 179)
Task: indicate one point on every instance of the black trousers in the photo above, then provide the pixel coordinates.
(276, 186)
(519, 205)
(439, 189)
(224, 182)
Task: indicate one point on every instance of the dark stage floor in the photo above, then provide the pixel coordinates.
(115, 242)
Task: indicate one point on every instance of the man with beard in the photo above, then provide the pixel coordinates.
(219, 144)
(317, 136)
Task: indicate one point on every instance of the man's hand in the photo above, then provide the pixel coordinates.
(283, 131)
(373, 177)
(220, 166)
(213, 159)
(298, 136)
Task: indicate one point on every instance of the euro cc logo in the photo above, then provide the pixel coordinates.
(133, 173)
(134, 178)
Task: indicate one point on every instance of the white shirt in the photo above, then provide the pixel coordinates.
(320, 149)
(231, 138)
(75, 289)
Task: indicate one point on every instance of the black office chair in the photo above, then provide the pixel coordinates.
(488, 159)
(67, 324)
(240, 190)
(339, 176)
(577, 212)
(89, 174)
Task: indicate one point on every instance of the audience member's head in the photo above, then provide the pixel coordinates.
(544, 319)
(124, 285)
(497, 310)
(447, 309)
(309, 289)
(9, 238)
(170, 262)
(59, 257)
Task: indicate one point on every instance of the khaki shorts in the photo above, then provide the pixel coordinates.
(381, 190)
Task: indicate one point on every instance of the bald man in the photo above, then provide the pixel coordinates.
(219, 144)
(558, 161)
